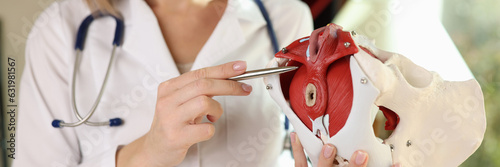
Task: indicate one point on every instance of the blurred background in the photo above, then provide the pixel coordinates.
(16, 19)
(474, 27)
(464, 28)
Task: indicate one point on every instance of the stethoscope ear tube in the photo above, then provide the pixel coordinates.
(115, 122)
(84, 27)
(57, 123)
(120, 28)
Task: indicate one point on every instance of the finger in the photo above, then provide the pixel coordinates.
(327, 156)
(359, 159)
(195, 109)
(223, 71)
(197, 133)
(197, 120)
(397, 165)
(298, 151)
(210, 87)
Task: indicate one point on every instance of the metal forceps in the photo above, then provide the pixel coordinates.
(263, 72)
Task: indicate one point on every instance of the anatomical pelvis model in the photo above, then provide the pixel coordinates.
(343, 80)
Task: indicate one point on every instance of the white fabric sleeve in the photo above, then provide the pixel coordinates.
(45, 95)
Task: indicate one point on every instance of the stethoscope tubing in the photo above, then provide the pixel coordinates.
(82, 33)
(98, 99)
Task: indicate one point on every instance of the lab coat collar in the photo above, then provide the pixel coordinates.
(245, 11)
(144, 41)
(228, 34)
(226, 37)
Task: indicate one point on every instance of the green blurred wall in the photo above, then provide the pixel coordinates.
(474, 26)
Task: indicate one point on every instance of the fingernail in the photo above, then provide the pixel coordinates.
(328, 151)
(239, 66)
(292, 137)
(360, 158)
(246, 87)
(397, 165)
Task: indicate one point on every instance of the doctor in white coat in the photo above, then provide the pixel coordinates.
(164, 112)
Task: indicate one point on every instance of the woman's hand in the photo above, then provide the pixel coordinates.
(182, 103)
(328, 152)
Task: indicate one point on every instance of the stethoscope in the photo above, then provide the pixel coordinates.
(117, 41)
(80, 41)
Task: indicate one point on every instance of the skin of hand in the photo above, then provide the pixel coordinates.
(358, 159)
(182, 103)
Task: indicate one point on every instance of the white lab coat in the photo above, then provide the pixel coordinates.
(249, 133)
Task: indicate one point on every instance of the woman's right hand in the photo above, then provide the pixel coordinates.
(327, 157)
(182, 103)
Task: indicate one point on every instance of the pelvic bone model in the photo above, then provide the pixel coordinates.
(342, 82)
